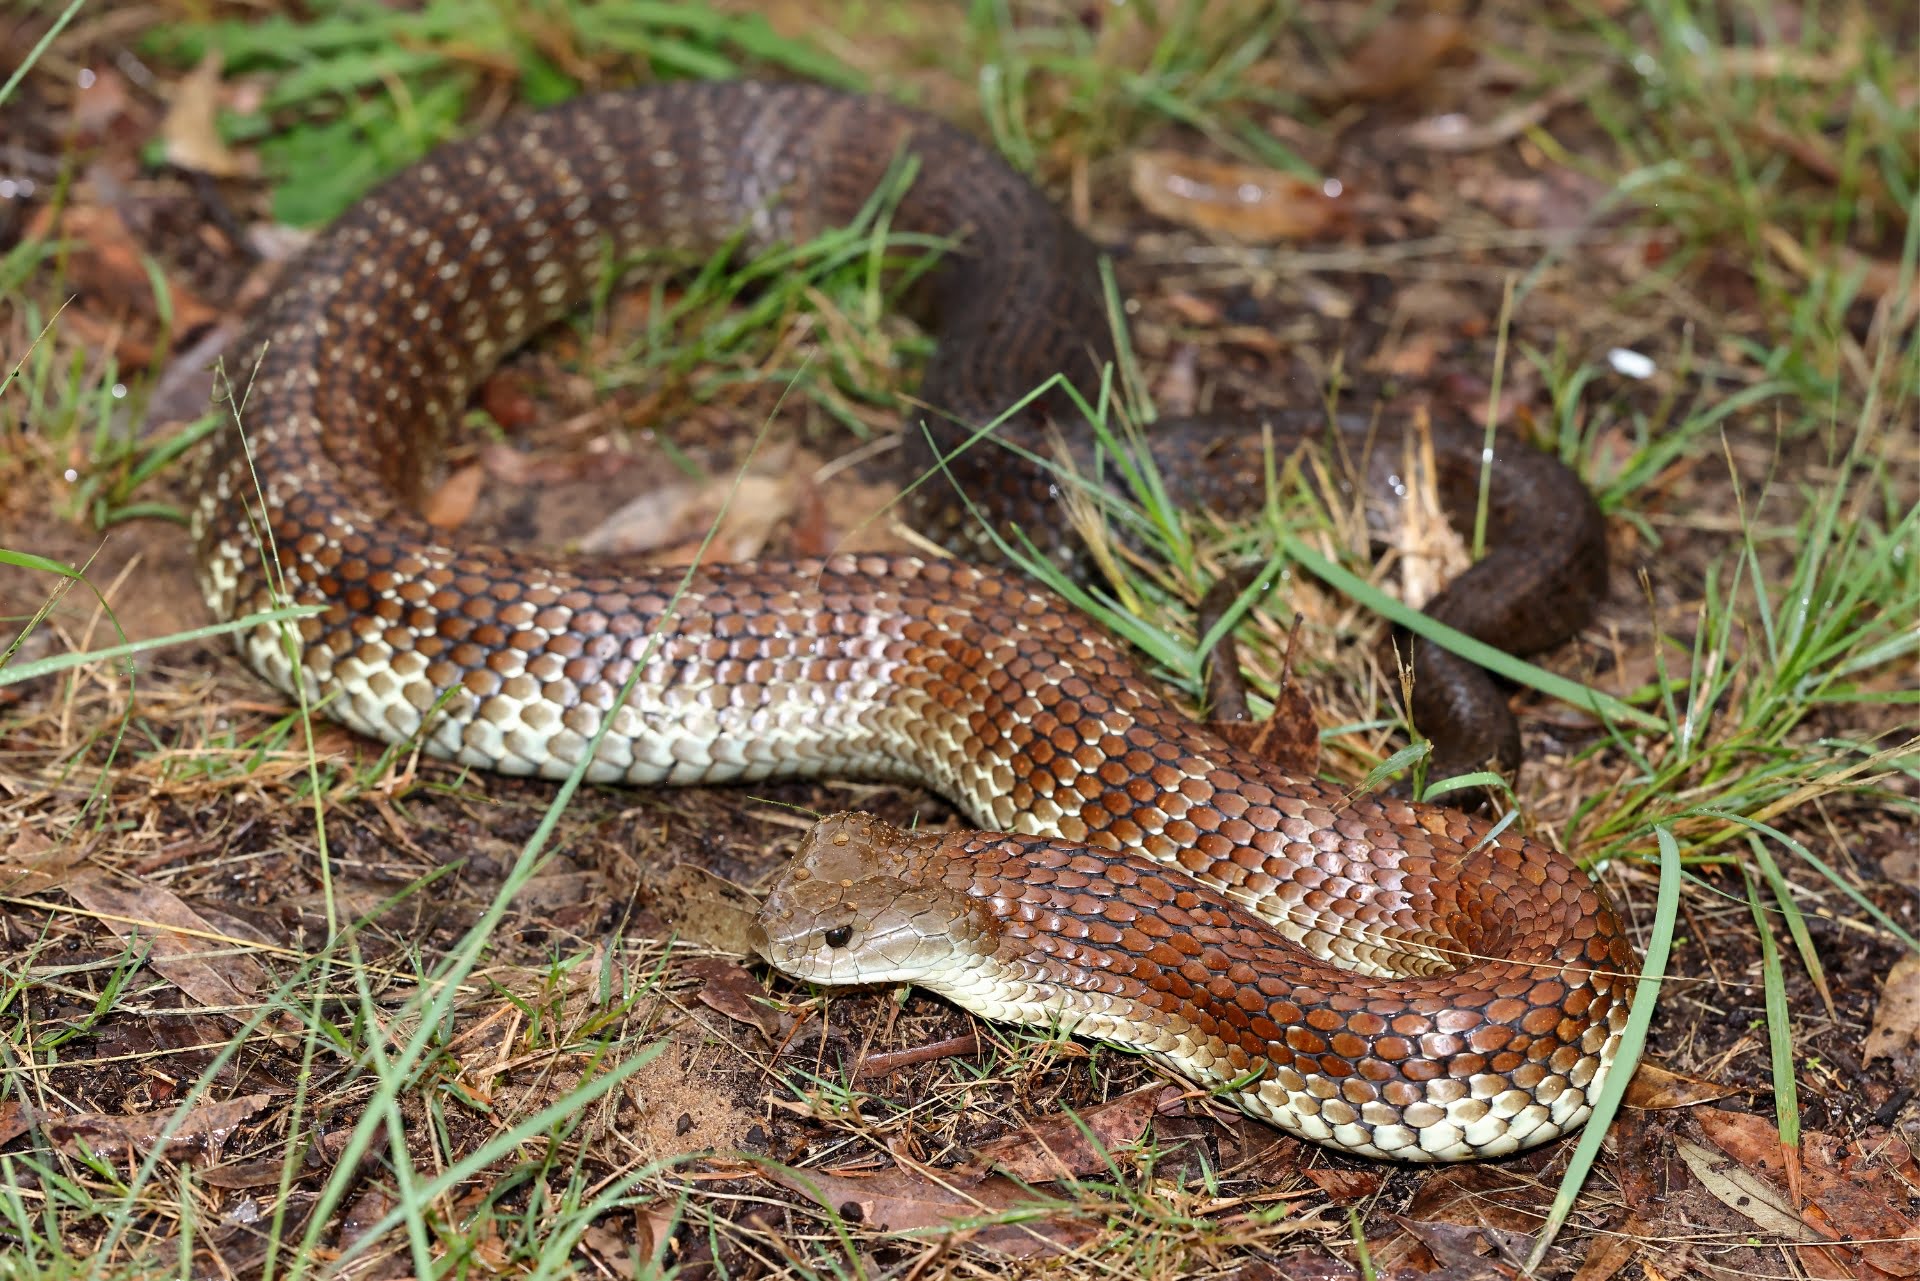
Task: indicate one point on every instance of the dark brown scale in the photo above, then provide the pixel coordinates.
(966, 679)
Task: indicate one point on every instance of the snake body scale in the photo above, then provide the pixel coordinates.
(1391, 978)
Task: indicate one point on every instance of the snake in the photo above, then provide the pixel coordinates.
(1390, 978)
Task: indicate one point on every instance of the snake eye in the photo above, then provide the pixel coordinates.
(838, 935)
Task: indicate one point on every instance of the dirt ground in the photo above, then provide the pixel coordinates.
(179, 851)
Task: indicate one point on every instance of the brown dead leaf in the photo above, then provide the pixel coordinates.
(653, 1237)
(33, 863)
(724, 518)
(728, 987)
(899, 1200)
(1063, 1148)
(1462, 1211)
(845, 514)
(1902, 867)
(616, 1255)
(1412, 357)
(1463, 1249)
(451, 504)
(1177, 390)
(567, 900)
(1852, 1188)
(1555, 201)
(1244, 202)
(185, 949)
(1751, 1140)
(1398, 54)
(1255, 1150)
(1345, 1186)
(191, 131)
(1654, 1088)
(1483, 1196)
(15, 1120)
(1895, 1033)
(363, 1212)
(1747, 1194)
(1608, 1253)
(101, 103)
(1289, 737)
(202, 1132)
(1194, 309)
(1295, 1265)
(105, 269)
(480, 1237)
(1898, 1154)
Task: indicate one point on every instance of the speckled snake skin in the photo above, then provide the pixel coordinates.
(1392, 978)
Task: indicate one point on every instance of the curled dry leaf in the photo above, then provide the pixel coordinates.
(202, 1132)
(1654, 1088)
(451, 504)
(1244, 202)
(726, 986)
(718, 520)
(191, 129)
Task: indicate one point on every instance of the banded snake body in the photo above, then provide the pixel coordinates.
(1390, 978)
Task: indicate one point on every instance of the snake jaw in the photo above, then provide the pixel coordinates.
(850, 910)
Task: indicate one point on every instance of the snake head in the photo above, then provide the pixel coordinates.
(865, 902)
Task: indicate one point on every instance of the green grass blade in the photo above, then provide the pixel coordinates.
(1646, 995)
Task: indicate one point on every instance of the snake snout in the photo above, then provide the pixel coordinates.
(863, 902)
(875, 930)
